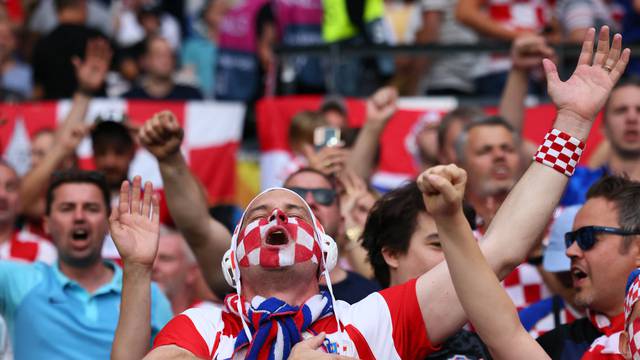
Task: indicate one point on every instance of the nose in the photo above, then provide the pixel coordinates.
(574, 250)
(278, 216)
(78, 214)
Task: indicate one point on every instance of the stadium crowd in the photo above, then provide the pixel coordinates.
(500, 248)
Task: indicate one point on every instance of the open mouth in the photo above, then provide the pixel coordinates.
(80, 234)
(277, 237)
(578, 274)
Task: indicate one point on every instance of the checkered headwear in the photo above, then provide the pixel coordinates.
(632, 293)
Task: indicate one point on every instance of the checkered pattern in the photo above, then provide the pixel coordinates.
(560, 151)
(633, 294)
(634, 339)
(249, 251)
(525, 286)
(547, 323)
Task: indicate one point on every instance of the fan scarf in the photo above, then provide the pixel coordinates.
(275, 325)
(607, 345)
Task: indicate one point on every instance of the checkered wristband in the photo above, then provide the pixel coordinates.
(560, 151)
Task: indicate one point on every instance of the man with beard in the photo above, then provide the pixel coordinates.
(621, 124)
(70, 310)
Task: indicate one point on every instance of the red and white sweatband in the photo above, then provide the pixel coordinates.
(560, 151)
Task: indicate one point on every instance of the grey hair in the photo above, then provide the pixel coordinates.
(463, 138)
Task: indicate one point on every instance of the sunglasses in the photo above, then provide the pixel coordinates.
(586, 236)
(324, 197)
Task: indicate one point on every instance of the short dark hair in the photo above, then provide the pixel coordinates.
(390, 224)
(493, 120)
(625, 194)
(65, 4)
(462, 113)
(111, 133)
(630, 81)
(78, 177)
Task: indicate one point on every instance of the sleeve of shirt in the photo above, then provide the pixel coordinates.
(578, 15)
(17, 279)
(160, 310)
(193, 331)
(398, 316)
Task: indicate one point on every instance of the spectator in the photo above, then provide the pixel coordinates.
(505, 21)
(17, 82)
(488, 150)
(603, 250)
(335, 112)
(247, 33)
(200, 52)
(402, 241)
(177, 274)
(43, 18)
(113, 151)
(449, 129)
(157, 83)
(142, 19)
(450, 75)
(577, 16)
(54, 74)
(621, 124)
(319, 191)
(74, 303)
(631, 30)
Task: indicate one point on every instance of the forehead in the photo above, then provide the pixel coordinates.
(309, 179)
(7, 173)
(597, 212)
(280, 199)
(78, 193)
(490, 133)
(625, 95)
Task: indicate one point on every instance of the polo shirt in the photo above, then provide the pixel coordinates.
(50, 316)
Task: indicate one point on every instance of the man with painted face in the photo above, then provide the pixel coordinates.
(277, 306)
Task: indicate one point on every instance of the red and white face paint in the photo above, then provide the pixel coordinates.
(277, 241)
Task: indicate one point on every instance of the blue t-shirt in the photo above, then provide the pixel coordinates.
(579, 184)
(50, 316)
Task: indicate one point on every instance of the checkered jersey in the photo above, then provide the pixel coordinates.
(28, 247)
(547, 323)
(385, 325)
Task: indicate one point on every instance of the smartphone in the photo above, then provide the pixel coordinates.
(326, 136)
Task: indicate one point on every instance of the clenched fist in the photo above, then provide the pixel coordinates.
(161, 135)
(443, 189)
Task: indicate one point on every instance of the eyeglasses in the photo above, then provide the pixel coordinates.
(586, 236)
(324, 197)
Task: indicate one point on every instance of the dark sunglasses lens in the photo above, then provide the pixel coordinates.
(301, 192)
(324, 196)
(586, 239)
(568, 239)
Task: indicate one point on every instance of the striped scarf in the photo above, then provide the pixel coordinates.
(275, 325)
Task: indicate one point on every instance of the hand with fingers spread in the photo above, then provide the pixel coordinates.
(161, 135)
(353, 189)
(135, 224)
(92, 71)
(308, 350)
(443, 189)
(328, 160)
(585, 92)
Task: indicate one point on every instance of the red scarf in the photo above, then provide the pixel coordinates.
(606, 346)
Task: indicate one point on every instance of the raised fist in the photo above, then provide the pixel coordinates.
(442, 189)
(382, 105)
(161, 135)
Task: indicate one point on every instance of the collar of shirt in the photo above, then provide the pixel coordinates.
(114, 285)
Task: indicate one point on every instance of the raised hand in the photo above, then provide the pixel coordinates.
(586, 91)
(328, 160)
(92, 72)
(443, 189)
(527, 52)
(353, 188)
(381, 106)
(135, 226)
(161, 135)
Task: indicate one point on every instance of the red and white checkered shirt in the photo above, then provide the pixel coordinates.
(25, 246)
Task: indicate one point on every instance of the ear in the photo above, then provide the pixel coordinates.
(45, 225)
(624, 345)
(390, 257)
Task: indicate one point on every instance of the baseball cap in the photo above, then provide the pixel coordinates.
(555, 258)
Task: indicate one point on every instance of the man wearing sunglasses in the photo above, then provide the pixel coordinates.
(319, 191)
(603, 249)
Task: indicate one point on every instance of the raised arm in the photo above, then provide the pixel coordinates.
(469, 13)
(90, 73)
(187, 202)
(524, 214)
(484, 301)
(380, 108)
(135, 230)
